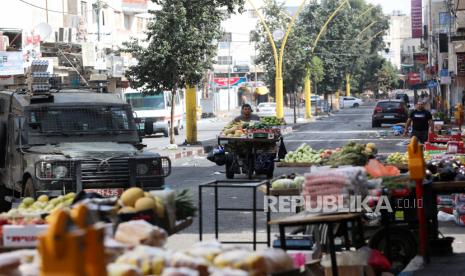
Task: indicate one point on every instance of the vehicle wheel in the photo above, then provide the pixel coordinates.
(229, 171)
(375, 124)
(29, 189)
(356, 105)
(176, 131)
(166, 133)
(403, 246)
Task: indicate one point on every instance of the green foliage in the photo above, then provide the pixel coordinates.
(343, 47)
(317, 68)
(386, 76)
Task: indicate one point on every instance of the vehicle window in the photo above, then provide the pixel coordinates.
(79, 119)
(139, 101)
(389, 105)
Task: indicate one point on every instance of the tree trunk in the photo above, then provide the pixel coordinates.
(173, 106)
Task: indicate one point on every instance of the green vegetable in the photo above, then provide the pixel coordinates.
(184, 205)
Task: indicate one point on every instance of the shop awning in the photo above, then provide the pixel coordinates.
(263, 90)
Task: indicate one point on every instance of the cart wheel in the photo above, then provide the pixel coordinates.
(402, 242)
(270, 172)
(229, 167)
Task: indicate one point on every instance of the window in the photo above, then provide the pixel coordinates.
(127, 22)
(252, 14)
(117, 18)
(227, 37)
(84, 10)
(94, 14)
(224, 60)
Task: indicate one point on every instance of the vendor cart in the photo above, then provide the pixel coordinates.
(253, 154)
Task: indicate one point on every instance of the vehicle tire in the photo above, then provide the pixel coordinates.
(176, 130)
(229, 171)
(29, 189)
(375, 124)
(166, 133)
(356, 105)
(402, 242)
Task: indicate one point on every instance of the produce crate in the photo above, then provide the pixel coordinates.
(286, 164)
(435, 147)
(436, 138)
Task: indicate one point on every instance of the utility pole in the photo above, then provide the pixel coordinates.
(46, 10)
(229, 72)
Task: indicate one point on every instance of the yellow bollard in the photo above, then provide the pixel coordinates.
(308, 97)
(191, 115)
(347, 85)
(279, 98)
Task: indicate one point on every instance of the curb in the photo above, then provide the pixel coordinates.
(186, 153)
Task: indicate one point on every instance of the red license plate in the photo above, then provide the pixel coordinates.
(106, 192)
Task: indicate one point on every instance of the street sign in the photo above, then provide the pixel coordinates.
(234, 81)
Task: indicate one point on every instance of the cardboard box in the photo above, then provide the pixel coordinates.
(355, 270)
(22, 235)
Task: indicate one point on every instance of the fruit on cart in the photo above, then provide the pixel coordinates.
(127, 210)
(397, 159)
(272, 121)
(231, 129)
(299, 181)
(284, 183)
(131, 195)
(145, 203)
(303, 154)
(42, 205)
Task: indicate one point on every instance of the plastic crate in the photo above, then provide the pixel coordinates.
(436, 138)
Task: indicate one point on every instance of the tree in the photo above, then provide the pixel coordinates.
(386, 76)
(344, 48)
(179, 47)
(317, 69)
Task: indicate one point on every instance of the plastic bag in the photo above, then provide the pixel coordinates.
(378, 261)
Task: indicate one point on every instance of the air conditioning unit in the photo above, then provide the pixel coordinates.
(63, 35)
(5, 43)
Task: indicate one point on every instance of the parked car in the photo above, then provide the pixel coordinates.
(389, 111)
(347, 102)
(266, 109)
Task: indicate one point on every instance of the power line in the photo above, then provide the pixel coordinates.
(48, 10)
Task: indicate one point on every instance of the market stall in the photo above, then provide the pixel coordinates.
(249, 147)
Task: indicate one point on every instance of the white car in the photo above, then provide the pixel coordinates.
(347, 102)
(266, 109)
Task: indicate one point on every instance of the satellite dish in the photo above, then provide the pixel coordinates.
(43, 30)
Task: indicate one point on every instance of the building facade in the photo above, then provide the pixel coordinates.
(78, 38)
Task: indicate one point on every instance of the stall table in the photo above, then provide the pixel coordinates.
(307, 218)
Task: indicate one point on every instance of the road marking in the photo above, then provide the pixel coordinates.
(340, 140)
